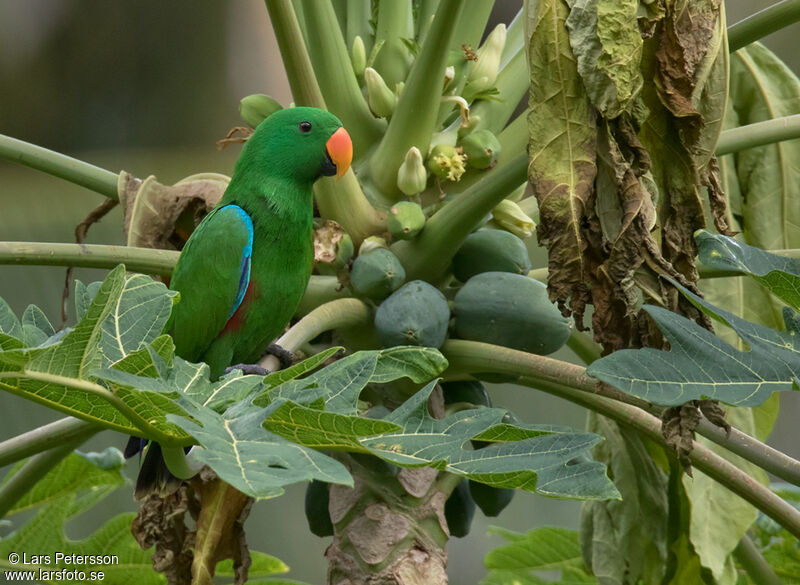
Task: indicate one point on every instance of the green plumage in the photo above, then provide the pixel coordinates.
(272, 185)
(245, 268)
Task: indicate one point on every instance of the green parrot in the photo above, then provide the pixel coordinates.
(244, 269)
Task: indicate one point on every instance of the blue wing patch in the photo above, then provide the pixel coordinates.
(247, 252)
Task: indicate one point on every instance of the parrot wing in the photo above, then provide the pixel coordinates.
(212, 275)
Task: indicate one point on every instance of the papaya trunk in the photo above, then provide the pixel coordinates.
(390, 528)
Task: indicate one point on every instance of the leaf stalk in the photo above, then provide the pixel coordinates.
(762, 23)
(758, 134)
(33, 470)
(45, 437)
(60, 165)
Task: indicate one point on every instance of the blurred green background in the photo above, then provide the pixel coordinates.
(148, 87)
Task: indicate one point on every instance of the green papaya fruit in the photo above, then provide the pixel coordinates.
(490, 251)
(470, 391)
(459, 510)
(482, 149)
(415, 314)
(491, 500)
(405, 220)
(316, 506)
(377, 274)
(509, 310)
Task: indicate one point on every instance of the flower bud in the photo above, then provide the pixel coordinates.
(509, 216)
(255, 108)
(449, 75)
(381, 99)
(358, 56)
(446, 162)
(482, 149)
(411, 176)
(482, 74)
(405, 220)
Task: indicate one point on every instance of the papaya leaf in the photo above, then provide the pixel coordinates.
(9, 324)
(779, 547)
(340, 384)
(541, 549)
(137, 317)
(155, 392)
(124, 315)
(262, 565)
(625, 541)
(259, 460)
(699, 365)
(563, 133)
(36, 326)
(318, 429)
(779, 274)
(76, 473)
(549, 464)
(45, 532)
(763, 88)
(295, 371)
(84, 293)
(253, 460)
(72, 487)
(719, 518)
(607, 43)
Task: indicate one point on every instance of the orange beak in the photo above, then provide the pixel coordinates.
(340, 149)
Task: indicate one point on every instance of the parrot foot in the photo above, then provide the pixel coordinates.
(248, 369)
(285, 357)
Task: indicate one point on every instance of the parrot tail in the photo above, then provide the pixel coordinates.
(154, 476)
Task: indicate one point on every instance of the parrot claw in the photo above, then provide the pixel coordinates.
(285, 357)
(248, 369)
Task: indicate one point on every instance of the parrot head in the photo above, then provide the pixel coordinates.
(300, 144)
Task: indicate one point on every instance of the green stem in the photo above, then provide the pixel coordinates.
(763, 23)
(337, 80)
(302, 81)
(414, 119)
(45, 437)
(428, 256)
(515, 38)
(512, 83)
(757, 567)
(472, 356)
(359, 13)
(321, 290)
(583, 346)
(341, 313)
(142, 425)
(338, 314)
(33, 470)
(758, 134)
(180, 463)
(395, 23)
(426, 11)
(144, 260)
(771, 460)
(60, 165)
(471, 24)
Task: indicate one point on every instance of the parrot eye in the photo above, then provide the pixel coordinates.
(305, 126)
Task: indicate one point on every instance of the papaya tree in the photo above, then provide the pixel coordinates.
(654, 160)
